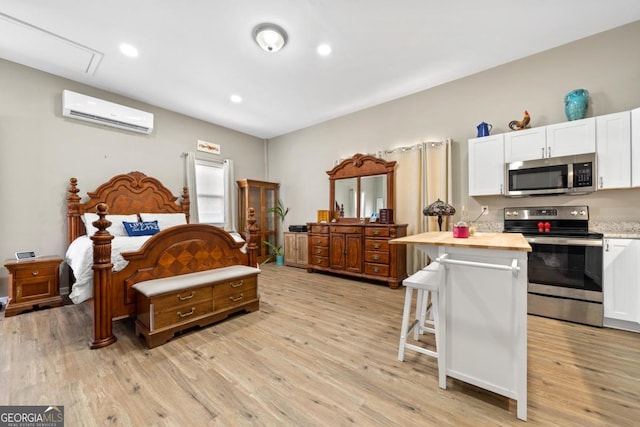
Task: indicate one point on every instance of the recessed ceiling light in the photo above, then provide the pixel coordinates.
(236, 99)
(128, 50)
(270, 37)
(324, 49)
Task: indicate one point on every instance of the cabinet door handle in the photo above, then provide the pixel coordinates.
(542, 152)
(189, 313)
(181, 298)
(236, 299)
(548, 151)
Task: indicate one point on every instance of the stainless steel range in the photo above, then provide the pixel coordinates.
(565, 265)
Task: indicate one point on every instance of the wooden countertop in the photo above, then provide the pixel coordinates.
(504, 241)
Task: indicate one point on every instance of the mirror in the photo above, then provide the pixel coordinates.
(373, 195)
(360, 186)
(345, 197)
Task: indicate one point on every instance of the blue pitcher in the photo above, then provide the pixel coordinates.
(484, 129)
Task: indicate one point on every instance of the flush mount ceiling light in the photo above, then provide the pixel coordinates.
(270, 37)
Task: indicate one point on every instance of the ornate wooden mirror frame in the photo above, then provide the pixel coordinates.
(359, 166)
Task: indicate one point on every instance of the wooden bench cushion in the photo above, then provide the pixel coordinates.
(154, 287)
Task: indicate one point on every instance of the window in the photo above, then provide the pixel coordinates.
(210, 192)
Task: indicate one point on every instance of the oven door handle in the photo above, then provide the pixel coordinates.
(564, 241)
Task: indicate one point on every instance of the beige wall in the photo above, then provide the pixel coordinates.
(607, 64)
(40, 150)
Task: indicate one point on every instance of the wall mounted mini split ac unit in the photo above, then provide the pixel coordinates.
(83, 107)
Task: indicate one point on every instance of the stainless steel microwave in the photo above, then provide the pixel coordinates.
(554, 175)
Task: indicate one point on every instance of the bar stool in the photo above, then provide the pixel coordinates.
(427, 281)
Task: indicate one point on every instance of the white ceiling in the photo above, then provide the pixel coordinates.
(194, 54)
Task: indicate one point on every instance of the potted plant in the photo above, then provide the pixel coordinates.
(277, 250)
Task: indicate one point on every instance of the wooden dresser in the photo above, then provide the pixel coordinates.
(359, 250)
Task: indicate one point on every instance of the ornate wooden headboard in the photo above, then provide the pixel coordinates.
(124, 194)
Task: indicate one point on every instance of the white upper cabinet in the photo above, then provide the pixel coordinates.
(562, 139)
(635, 147)
(569, 138)
(526, 144)
(614, 150)
(486, 165)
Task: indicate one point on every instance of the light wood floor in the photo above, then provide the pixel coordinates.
(322, 351)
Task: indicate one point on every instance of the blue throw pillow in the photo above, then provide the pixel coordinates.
(145, 228)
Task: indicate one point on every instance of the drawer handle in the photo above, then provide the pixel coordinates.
(376, 246)
(181, 314)
(376, 270)
(376, 232)
(34, 272)
(236, 299)
(181, 298)
(376, 257)
(318, 241)
(318, 250)
(236, 284)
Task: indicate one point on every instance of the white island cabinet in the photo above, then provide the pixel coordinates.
(621, 284)
(484, 320)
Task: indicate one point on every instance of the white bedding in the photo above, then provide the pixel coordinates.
(79, 257)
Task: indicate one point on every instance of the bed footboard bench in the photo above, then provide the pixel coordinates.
(171, 305)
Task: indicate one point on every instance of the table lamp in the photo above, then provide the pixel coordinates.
(439, 209)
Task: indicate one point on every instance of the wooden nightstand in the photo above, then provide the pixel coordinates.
(33, 283)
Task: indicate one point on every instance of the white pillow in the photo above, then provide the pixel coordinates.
(116, 228)
(165, 220)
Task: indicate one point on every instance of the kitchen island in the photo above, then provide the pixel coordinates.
(484, 320)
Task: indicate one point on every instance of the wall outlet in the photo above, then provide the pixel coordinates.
(485, 210)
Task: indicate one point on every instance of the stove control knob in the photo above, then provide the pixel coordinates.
(574, 212)
(582, 213)
(508, 213)
(515, 213)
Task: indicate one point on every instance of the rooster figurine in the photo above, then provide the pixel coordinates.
(520, 124)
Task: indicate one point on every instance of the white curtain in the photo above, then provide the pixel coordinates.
(190, 171)
(230, 198)
(423, 174)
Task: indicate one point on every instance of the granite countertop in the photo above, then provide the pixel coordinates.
(610, 229)
(479, 240)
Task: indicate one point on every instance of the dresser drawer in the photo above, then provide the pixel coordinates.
(320, 261)
(235, 286)
(376, 257)
(320, 229)
(322, 251)
(189, 296)
(376, 245)
(346, 230)
(178, 314)
(225, 301)
(29, 273)
(376, 269)
(377, 232)
(319, 240)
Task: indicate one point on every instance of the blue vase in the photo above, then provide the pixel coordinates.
(575, 104)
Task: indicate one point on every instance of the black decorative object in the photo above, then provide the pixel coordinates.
(439, 209)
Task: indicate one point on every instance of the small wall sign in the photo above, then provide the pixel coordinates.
(208, 147)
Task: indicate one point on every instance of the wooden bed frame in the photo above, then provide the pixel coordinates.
(174, 251)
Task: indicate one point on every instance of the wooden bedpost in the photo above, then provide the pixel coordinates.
(185, 203)
(251, 238)
(102, 266)
(73, 211)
